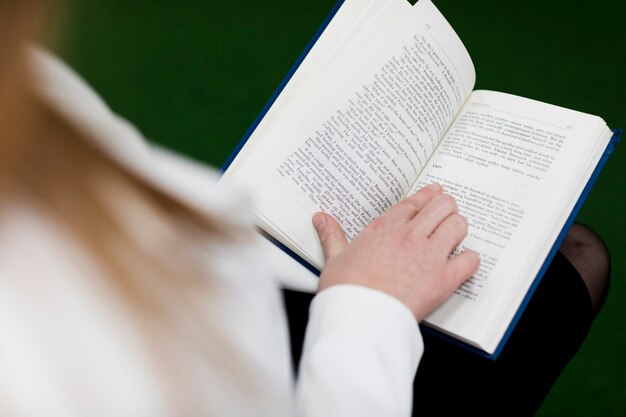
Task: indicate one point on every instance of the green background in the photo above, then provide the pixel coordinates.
(193, 75)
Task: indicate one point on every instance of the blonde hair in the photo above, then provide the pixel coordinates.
(16, 21)
(155, 269)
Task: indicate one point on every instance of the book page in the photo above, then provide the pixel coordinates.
(352, 18)
(353, 140)
(516, 168)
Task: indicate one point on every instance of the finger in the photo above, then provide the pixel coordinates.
(462, 267)
(407, 208)
(433, 213)
(450, 232)
(331, 234)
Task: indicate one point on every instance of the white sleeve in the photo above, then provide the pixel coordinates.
(360, 355)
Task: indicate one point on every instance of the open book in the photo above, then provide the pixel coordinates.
(382, 104)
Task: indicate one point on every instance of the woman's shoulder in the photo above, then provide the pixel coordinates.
(191, 183)
(49, 275)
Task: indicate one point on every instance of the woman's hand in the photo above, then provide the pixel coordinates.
(403, 253)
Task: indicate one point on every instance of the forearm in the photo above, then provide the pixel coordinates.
(361, 352)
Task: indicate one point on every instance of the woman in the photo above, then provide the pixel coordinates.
(123, 292)
(130, 284)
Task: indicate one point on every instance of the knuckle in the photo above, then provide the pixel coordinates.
(475, 263)
(450, 202)
(459, 222)
(406, 202)
(378, 223)
(328, 235)
(422, 191)
(445, 202)
(421, 196)
(412, 202)
(448, 274)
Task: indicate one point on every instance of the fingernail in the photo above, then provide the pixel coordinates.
(435, 187)
(319, 220)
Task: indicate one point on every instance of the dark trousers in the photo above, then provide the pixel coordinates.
(454, 381)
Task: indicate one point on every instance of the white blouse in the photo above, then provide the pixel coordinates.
(68, 347)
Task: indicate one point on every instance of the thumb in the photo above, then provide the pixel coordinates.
(331, 234)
